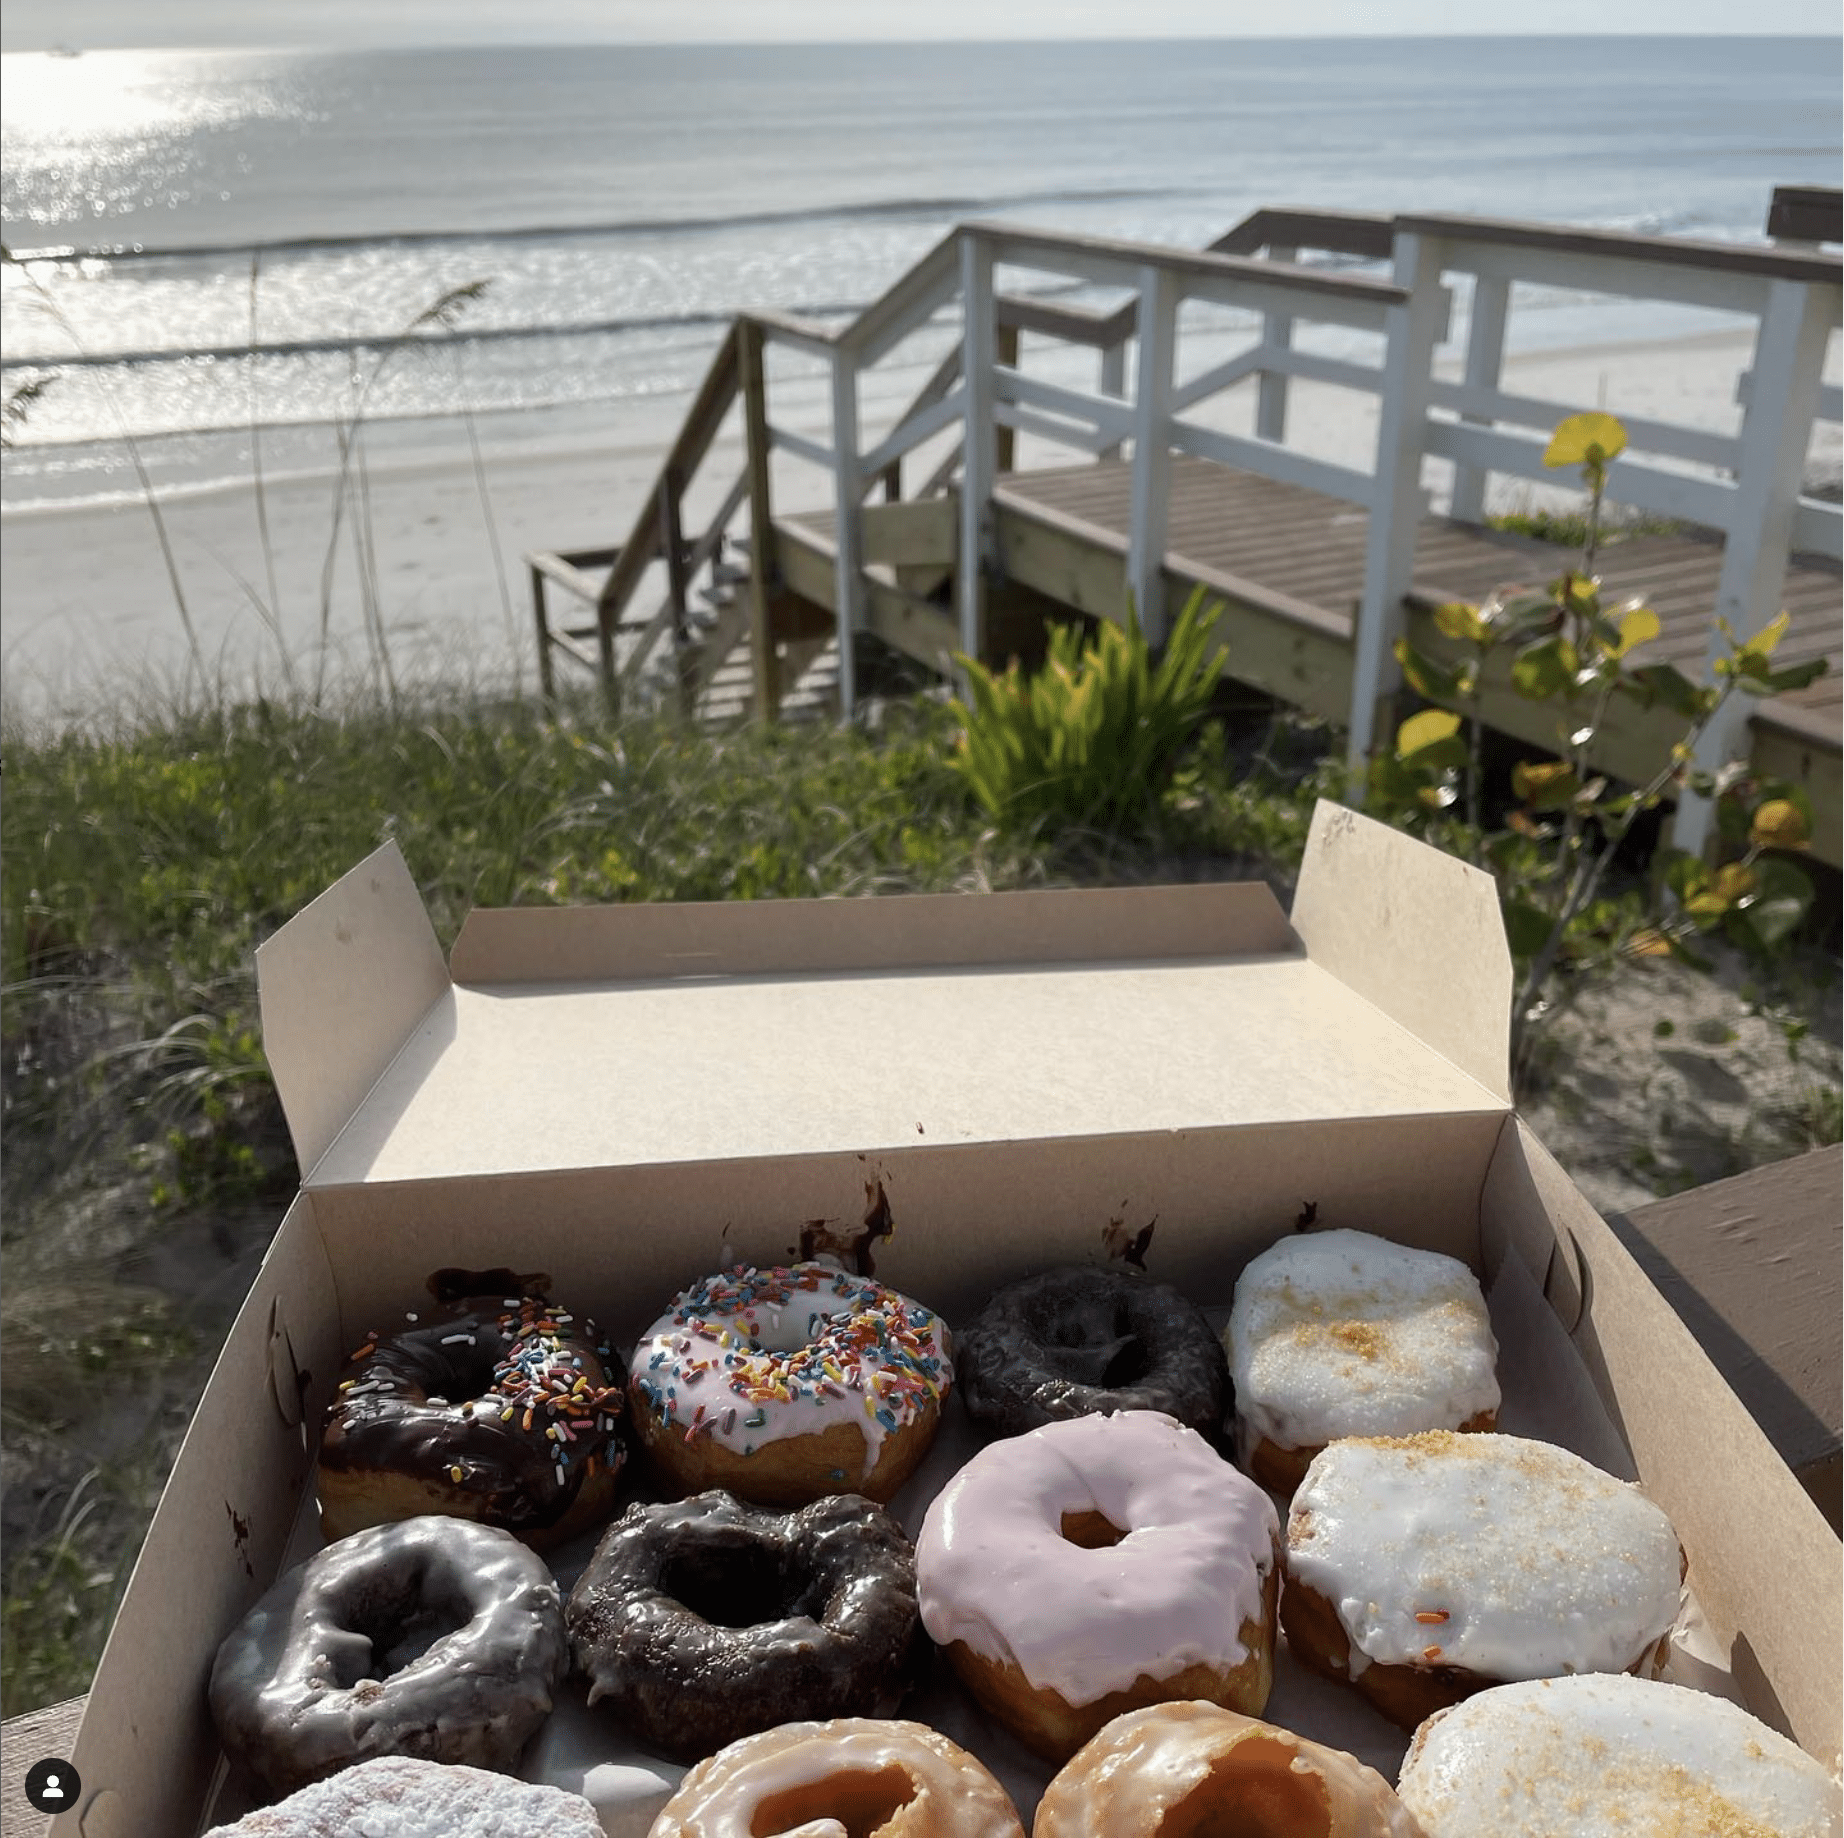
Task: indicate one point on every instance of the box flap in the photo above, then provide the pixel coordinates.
(1413, 930)
(342, 985)
(587, 944)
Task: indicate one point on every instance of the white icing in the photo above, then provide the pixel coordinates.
(752, 1356)
(1612, 1757)
(993, 1569)
(1539, 1563)
(1344, 1334)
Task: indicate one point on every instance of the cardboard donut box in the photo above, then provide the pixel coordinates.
(970, 1088)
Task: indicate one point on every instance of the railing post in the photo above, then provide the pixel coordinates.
(678, 584)
(1789, 362)
(1271, 390)
(1005, 351)
(1485, 358)
(1113, 382)
(752, 373)
(848, 535)
(979, 450)
(547, 685)
(1412, 331)
(1152, 452)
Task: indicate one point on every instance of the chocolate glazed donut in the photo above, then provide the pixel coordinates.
(707, 1620)
(1086, 1342)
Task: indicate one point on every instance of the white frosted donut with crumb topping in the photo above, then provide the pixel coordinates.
(1612, 1757)
(1507, 1558)
(1344, 1334)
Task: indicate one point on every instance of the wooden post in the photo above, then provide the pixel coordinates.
(547, 686)
(1005, 351)
(848, 556)
(979, 450)
(672, 546)
(1152, 453)
(1271, 390)
(764, 662)
(1113, 382)
(1789, 362)
(1485, 357)
(1412, 330)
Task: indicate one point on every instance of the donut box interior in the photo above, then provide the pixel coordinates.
(968, 1089)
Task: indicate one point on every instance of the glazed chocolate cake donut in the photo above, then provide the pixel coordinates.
(1087, 1342)
(707, 1620)
(434, 1637)
(494, 1408)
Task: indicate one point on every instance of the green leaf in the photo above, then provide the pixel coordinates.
(1764, 682)
(1544, 669)
(1778, 824)
(1419, 732)
(1527, 927)
(1459, 619)
(1636, 625)
(1667, 684)
(1763, 642)
(1425, 676)
(1544, 784)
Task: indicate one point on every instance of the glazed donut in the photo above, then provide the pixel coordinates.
(408, 1798)
(1428, 1567)
(1080, 1342)
(1605, 1756)
(1096, 1566)
(501, 1410)
(708, 1620)
(1184, 1769)
(433, 1637)
(782, 1385)
(858, 1774)
(1344, 1334)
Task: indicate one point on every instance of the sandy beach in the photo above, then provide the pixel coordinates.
(92, 626)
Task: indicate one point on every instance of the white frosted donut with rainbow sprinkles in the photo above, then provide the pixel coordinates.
(780, 1385)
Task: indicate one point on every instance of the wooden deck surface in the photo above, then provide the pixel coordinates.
(1304, 547)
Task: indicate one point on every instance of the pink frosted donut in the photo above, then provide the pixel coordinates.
(1096, 1566)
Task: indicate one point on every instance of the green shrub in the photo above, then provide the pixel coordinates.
(1094, 737)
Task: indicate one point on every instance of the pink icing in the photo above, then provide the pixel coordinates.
(994, 1571)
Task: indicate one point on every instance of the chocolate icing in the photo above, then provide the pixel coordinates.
(1085, 1342)
(708, 1620)
(426, 1402)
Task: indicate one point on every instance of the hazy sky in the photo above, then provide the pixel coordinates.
(28, 25)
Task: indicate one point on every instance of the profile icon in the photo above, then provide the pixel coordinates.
(52, 1786)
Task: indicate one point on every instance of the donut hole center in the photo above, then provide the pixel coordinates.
(398, 1630)
(862, 1801)
(1095, 1345)
(1090, 1530)
(1253, 1792)
(737, 1586)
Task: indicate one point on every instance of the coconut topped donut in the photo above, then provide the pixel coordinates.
(1427, 1567)
(1344, 1334)
(780, 1385)
(1612, 1757)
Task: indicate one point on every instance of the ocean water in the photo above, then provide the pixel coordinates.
(207, 242)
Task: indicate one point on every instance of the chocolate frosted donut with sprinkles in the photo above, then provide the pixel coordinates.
(783, 1385)
(501, 1409)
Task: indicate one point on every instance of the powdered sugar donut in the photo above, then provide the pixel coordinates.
(780, 1386)
(1344, 1334)
(1612, 1757)
(1098, 1565)
(1198, 1768)
(420, 1799)
(1425, 1568)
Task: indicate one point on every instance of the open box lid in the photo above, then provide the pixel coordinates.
(604, 1037)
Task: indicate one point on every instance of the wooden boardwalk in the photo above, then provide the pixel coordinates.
(1289, 564)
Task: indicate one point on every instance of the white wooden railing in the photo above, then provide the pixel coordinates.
(1746, 485)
